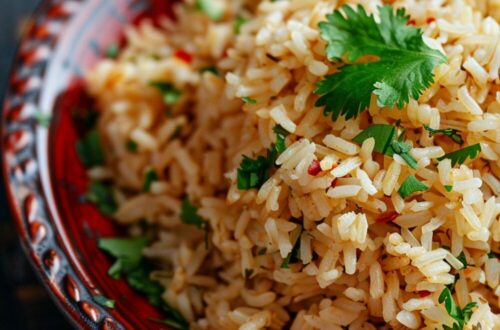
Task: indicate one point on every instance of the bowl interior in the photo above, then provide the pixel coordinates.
(46, 179)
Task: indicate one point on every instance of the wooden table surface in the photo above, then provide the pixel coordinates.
(24, 302)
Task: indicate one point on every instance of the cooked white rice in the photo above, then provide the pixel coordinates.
(354, 271)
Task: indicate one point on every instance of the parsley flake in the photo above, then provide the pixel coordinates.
(102, 197)
(105, 302)
(249, 100)
(253, 173)
(281, 135)
(189, 214)
(448, 187)
(462, 259)
(238, 23)
(149, 178)
(402, 68)
(410, 186)
(132, 146)
(90, 150)
(127, 251)
(293, 256)
(461, 155)
(171, 95)
(452, 133)
(461, 316)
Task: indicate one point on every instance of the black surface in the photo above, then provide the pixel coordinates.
(24, 302)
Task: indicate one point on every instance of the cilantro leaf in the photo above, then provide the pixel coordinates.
(410, 186)
(171, 95)
(238, 23)
(105, 302)
(211, 69)
(281, 135)
(102, 197)
(132, 146)
(402, 68)
(189, 214)
(448, 188)
(253, 173)
(386, 142)
(462, 259)
(462, 316)
(461, 155)
(149, 178)
(90, 150)
(127, 251)
(210, 8)
(293, 256)
(452, 133)
(249, 100)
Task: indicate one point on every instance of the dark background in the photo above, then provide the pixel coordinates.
(24, 302)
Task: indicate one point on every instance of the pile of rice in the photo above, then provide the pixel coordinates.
(354, 272)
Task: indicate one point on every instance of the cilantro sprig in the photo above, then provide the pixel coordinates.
(402, 68)
(189, 215)
(170, 94)
(89, 149)
(452, 133)
(461, 155)
(253, 173)
(387, 142)
(461, 316)
(281, 135)
(102, 197)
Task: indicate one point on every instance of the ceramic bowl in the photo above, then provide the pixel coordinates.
(45, 180)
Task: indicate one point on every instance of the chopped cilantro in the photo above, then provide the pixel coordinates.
(387, 142)
(461, 316)
(210, 8)
(189, 214)
(102, 197)
(238, 23)
(127, 251)
(252, 173)
(89, 149)
(410, 186)
(42, 119)
(132, 146)
(149, 178)
(461, 155)
(177, 132)
(281, 135)
(112, 51)
(452, 133)
(248, 273)
(448, 187)
(211, 69)
(130, 262)
(173, 324)
(293, 256)
(492, 255)
(402, 68)
(105, 302)
(462, 259)
(249, 100)
(171, 95)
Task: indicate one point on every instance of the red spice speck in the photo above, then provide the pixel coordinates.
(334, 183)
(424, 293)
(387, 217)
(411, 22)
(430, 20)
(183, 55)
(315, 168)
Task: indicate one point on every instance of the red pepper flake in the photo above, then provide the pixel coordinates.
(424, 293)
(430, 20)
(183, 55)
(411, 22)
(315, 168)
(334, 183)
(387, 217)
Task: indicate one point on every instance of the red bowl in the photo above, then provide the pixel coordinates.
(45, 180)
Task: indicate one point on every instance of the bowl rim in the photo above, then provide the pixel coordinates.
(81, 311)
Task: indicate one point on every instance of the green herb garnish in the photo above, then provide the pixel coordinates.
(149, 178)
(462, 316)
(387, 142)
(252, 173)
(238, 23)
(448, 187)
(461, 155)
(293, 256)
(210, 8)
(248, 273)
(189, 214)
(402, 68)
(112, 51)
(249, 100)
(42, 119)
(492, 255)
(281, 135)
(452, 133)
(410, 186)
(171, 95)
(90, 150)
(102, 197)
(211, 69)
(132, 146)
(462, 259)
(105, 302)
(127, 251)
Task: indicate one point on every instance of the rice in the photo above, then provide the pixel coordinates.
(326, 241)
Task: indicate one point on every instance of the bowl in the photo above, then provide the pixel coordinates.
(45, 180)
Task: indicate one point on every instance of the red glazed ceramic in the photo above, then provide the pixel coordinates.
(45, 180)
